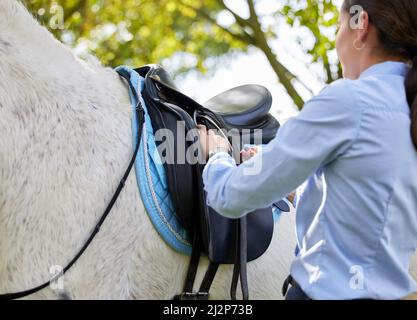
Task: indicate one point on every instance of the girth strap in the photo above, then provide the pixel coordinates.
(239, 271)
(209, 278)
(240, 268)
(193, 266)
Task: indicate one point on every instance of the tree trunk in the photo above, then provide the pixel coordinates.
(284, 76)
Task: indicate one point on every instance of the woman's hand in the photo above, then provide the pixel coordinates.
(211, 142)
(248, 153)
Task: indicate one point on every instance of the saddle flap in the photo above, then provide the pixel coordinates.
(222, 233)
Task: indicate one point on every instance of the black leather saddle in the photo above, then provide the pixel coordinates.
(225, 241)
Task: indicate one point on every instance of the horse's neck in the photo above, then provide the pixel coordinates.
(24, 43)
(41, 81)
(37, 60)
(64, 128)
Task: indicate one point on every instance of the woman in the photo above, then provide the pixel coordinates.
(351, 152)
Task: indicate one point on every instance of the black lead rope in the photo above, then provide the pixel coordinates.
(141, 119)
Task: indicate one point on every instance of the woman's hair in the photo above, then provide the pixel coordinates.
(396, 22)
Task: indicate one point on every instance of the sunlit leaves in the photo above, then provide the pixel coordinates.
(138, 32)
(320, 18)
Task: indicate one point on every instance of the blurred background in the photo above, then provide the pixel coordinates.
(209, 46)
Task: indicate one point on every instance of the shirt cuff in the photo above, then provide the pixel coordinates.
(218, 158)
(219, 155)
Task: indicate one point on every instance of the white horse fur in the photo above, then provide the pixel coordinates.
(65, 141)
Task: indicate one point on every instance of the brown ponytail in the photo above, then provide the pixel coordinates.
(411, 89)
(396, 22)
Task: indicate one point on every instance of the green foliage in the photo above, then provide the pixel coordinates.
(320, 18)
(189, 32)
(140, 31)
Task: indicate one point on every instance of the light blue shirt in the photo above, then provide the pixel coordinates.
(350, 154)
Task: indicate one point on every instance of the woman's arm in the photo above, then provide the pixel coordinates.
(321, 132)
(248, 154)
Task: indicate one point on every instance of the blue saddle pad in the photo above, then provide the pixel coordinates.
(151, 176)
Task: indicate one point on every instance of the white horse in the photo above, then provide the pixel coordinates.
(66, 139)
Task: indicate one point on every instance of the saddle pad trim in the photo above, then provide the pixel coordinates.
(154, 197)
(151, 176)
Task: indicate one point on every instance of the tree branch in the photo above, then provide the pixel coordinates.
(240, 21)
(284, 75)
(328, 70)
(294, 77)
(244, 37)
(298, 78)
(253, 19)
(252, 10)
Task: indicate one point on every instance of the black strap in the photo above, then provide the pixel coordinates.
(244, 258)
(286, 285)
(209, 278)
(235, 279)
(203, 293)
(236, 268)
(240, 267)
(289, 281)
(141, 119)
(193, 266)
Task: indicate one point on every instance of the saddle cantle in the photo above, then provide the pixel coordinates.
(244, 109)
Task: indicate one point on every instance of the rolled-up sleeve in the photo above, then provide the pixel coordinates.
(323, 130)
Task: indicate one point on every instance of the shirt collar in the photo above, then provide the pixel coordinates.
(388, 67)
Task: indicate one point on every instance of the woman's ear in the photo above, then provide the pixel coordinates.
(361, 28)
